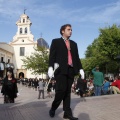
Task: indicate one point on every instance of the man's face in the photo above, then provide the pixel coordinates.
(67, 32)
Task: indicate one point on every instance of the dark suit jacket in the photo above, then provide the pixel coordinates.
(59, 54)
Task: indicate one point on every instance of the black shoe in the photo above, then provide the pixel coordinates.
(70, 117)
(52, 113)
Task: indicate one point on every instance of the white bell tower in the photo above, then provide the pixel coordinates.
(23, 25)
(23, 29)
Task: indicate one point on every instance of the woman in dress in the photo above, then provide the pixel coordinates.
(9, 88)
(49, 89)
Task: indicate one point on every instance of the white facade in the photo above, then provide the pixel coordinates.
(6, 51)
(22, 45)
(6, 55)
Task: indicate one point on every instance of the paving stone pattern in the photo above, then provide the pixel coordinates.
(28, 107)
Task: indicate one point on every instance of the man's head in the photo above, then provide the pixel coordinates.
(97, 68)
(66, 30)
(106, 79)
(9, 72)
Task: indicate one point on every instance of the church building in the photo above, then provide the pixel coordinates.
(22, 45)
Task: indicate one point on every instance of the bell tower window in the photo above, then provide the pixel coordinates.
(20, 30)
(23, 20)
(25, 30)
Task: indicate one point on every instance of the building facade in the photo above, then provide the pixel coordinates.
(22, 45)
(6, 56)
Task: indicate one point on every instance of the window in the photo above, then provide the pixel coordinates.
(25, 30)
(2, 59)
(22, 51)
(8, 60)
(23, 20)
(20, 30)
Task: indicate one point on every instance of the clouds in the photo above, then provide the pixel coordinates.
(107, 13)
(48, 15)
(101, 14)
(97, 14)
(9, 8)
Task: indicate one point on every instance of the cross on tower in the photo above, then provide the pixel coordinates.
(24, 10)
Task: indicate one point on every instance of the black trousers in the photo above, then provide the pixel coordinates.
(7, 99)
(63, 90)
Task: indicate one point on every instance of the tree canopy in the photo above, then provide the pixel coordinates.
(104, 50)
(37, 62)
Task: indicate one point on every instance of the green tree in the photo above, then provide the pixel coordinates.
(109, 42)
(103, 51)
(92, 49)
(37, 62)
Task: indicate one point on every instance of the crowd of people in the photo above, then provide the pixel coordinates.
(39, 85)
(86, 88)
(81, 87)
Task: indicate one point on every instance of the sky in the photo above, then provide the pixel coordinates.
(47, 16)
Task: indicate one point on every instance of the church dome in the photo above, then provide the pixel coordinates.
(41, 42)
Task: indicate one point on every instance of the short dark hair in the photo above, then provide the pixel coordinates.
(97, 67)
(11, 71)
(118, 77)
(63, 27)
(106, 78)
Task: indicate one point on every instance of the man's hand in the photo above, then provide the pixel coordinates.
(82, 73)
(50, 72)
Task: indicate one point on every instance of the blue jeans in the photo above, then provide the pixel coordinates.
(97, 90)
(105, 92)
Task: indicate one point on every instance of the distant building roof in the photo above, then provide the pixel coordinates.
(41, 42)
(7, 47)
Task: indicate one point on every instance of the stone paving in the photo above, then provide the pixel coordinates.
(28, 107)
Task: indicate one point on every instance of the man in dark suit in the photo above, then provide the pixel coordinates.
(64, 52)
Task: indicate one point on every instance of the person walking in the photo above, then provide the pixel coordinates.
(64, 52)
(9, 88)
(49, 90)
(41, 89)
(97, 81)
(81, 87)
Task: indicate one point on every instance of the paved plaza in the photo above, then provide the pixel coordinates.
(28, 107)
